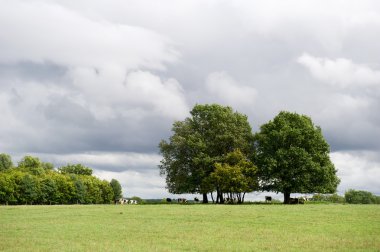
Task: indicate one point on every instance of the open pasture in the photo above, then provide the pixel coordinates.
(190, 228)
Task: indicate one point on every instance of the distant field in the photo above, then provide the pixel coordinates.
(190, 227)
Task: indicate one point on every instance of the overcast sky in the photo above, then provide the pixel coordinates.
(101, 82)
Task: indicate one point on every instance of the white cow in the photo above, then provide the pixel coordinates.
(121, 201)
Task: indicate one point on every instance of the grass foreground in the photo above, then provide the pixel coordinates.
(190, 228)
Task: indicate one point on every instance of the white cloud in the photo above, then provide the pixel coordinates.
(166, 97)
(117, 160)
(144, 185)
(39, 31)
(340, 72)
(357, 170)
(226, 90)
(112, 92)
(100, 80)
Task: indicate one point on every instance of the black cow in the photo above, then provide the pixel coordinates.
(196, 199)
(268, 199)
(168, 200)
(294, 201)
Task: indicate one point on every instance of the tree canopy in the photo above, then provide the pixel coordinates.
(5, 162)
(235, 176)
(293, 157)
(200, 141)
(116, 187)
(75, 169)
(36, 182)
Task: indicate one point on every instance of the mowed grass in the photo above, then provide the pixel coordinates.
(190, 228)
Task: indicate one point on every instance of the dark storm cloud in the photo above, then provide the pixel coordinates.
(30, 71)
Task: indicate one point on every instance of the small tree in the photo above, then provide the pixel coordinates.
(116, 187)
(359, 197)
(235, 177)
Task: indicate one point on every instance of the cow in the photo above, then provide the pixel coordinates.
(121, 201)
(169, 200)
(196, 199)
(299, 200)
(134, 202)
(182, 200)
(296, 201)
(230, 201)
(304, 198)
(268, 199)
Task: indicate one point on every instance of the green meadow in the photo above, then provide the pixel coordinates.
(332, 227)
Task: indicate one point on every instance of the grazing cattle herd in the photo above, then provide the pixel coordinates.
(292, 201)
(123, 201)
(268, 199)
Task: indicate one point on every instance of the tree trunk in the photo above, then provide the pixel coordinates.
(221, 199)
(212, 197)
(286, 197)
(205, 199)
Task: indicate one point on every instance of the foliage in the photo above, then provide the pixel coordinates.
(75, 169)
(116, 187)
(36, 182)
(198, 143)
(235, 176)
(361, 197)
(333, 198)
(5, 162)
(293, 157)
(31, 165)
(138, 199)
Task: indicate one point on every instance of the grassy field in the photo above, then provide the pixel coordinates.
(190, 228)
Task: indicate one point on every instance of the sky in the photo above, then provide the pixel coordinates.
(101, 82)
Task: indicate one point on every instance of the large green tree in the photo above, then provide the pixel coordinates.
(200, 141)
(293, 157)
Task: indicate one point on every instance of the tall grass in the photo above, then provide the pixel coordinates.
(190, 228)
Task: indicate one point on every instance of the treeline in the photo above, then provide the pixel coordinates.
(351, 197)
(36, 182)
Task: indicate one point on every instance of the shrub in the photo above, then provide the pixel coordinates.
(360, 197)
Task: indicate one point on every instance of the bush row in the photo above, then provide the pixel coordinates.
(36, 182)
(19, 187)
(351, 197)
